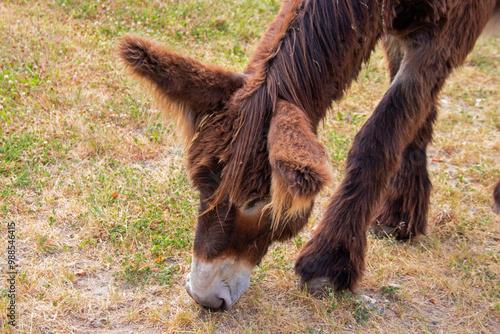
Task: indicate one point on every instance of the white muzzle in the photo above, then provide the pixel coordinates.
(218, 284)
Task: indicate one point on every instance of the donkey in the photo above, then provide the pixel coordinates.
(253, 154)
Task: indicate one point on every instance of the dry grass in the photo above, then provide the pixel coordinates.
(105, 215)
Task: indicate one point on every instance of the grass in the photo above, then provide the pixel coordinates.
(96, 184)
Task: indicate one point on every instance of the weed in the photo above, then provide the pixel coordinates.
(391, 291)
(361, 312)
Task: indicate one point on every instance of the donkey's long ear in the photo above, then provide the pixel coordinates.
(300, 165)
(183, 86)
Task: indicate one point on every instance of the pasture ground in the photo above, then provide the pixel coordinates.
(97, 187)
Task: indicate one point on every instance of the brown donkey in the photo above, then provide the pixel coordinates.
(253, 154)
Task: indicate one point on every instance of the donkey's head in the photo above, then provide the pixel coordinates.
(274, 198)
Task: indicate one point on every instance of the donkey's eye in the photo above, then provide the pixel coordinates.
(255, 204)
(252, 203)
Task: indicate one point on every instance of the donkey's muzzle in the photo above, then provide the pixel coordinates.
(218, 284)
(217, 299)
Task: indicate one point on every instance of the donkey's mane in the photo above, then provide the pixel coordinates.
(299, 60)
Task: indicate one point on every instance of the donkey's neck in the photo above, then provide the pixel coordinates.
(314, 49)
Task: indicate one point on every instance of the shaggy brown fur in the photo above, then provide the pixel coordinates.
(254, 147)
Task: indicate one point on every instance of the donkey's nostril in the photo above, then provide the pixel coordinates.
(210, 301)
(213, 304)
(226, 304)
(222, 306)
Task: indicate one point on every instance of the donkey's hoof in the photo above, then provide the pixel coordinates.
(329, 264)
(318, 286)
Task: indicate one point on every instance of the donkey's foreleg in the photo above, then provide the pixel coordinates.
(336, 251)
(335, 254)
(405, 203)
(433, 48)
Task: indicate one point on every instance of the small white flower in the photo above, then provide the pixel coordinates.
(6, 76)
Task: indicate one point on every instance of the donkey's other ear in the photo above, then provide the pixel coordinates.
(192, 88)
(300, 165)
